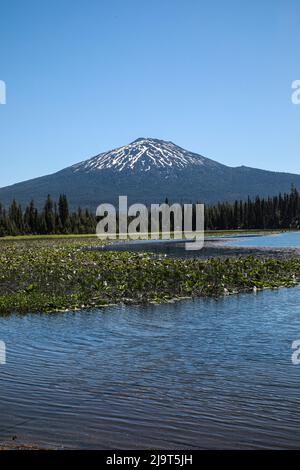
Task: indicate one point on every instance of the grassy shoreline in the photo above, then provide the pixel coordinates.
(48, 275)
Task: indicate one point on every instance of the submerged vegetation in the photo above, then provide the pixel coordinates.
(57, 275)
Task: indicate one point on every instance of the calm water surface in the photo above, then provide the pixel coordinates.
(177, 248)
(202, 374)
(282, 240)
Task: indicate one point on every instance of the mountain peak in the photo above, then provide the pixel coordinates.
(143, 154)
(149, 140)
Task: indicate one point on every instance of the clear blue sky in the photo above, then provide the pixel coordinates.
(86, 76)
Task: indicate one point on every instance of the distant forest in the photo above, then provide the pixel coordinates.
(54, 218)
(278, 212)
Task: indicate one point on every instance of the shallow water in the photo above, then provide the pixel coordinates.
(282, 240)
(195, 374)
(214, 246)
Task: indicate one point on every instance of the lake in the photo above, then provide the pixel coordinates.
(222, 246)
(281, 240)
(190, 375)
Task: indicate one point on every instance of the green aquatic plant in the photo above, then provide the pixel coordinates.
(57, 275)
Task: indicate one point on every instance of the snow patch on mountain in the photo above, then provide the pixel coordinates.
(143, 155)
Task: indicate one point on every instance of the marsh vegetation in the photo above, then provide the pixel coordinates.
(57, 274)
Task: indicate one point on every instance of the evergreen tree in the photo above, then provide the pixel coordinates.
(63, 210)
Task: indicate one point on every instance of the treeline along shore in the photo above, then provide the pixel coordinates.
(277, 212)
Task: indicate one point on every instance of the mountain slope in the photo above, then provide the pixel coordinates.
(149, 170)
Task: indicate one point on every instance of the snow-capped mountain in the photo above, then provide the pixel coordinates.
(150, 170)
(144, 155)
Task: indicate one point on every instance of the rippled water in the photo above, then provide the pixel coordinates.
(202, 374)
